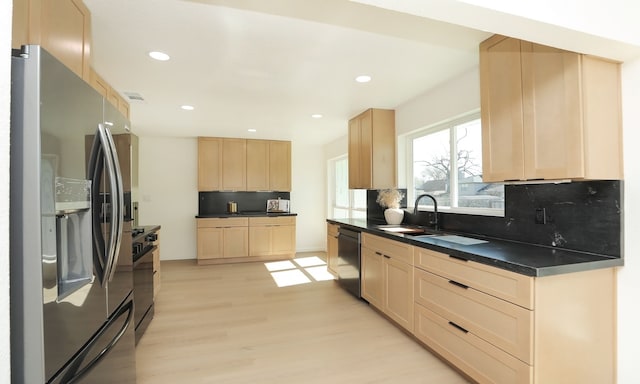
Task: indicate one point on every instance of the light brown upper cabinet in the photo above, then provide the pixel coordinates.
(226, 164)
(268, 165)
(372, 150)
(107, 91)
(61, 27)
(548, 113)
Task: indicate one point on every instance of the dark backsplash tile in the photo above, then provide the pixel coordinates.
(583, 216)
(216, 202)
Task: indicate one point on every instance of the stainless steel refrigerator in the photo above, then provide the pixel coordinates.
(71, 267)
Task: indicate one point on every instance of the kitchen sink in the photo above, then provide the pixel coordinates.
(408, 230)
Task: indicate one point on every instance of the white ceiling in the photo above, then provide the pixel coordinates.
(270, 65)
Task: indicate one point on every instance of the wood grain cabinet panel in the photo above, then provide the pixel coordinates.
(332, 248)
(61, 27)
(499, 328)
(222, 238)
(258, 165)
(234, 164)
(387, 278)
(548, 113)
(372, 153)
(209, 164)
(280, 166)
(272, 236)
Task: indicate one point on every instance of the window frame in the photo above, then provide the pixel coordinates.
(426, 204)
(331, 193)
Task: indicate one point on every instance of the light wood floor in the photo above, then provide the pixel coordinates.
(232, 324)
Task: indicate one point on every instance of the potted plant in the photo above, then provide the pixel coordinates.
(390, 199)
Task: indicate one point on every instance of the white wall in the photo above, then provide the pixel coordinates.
(5, 76)
(168, 182)
(629, 275)
(168, 172)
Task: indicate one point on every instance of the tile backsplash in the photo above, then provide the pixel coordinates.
(210, 203)
(584, 216)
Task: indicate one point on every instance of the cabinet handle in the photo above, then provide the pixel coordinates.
(454, 325)
(378, 253)
(458, 258)
(458, 284)
(386, 257)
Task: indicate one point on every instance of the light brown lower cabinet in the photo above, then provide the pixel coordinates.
(272, 236)
(498, 326)
(243, 239)
(332, 249)
(495, 325)
(387, 278)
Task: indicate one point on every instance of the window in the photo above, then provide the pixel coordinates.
(455, 181)
(344, 202)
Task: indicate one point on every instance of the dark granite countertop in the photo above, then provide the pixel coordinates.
(526, 259)
(245, 214)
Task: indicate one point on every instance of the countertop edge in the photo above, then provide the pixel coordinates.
(596, 262)
(261, 214)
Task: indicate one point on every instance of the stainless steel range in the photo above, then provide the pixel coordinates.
(143, 248)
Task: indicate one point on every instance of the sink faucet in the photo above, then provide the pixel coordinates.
(435, 208)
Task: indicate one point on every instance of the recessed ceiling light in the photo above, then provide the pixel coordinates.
(187, 107)
(252, 130)
(316, 116)
(363, 79)
(161, 56)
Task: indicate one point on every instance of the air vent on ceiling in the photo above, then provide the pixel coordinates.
(134, 96)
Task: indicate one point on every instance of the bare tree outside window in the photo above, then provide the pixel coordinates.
(455, 181)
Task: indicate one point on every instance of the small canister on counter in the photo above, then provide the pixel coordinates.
(232, 207)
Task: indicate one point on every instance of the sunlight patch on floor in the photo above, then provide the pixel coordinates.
(305, 270)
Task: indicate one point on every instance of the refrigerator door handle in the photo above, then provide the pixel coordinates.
(74, 374)
(118, 206)
(96, 166)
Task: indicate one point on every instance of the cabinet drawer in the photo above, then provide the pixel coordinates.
(395, 249)
(497, 282)
(482, 361)
(280, 220)
(223, 222)
(503, 324)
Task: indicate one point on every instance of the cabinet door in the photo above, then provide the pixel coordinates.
(552, 113)
(366, 139)
(260, 241)
(354, 154)
(332, 254)
(236, 242)
(257, 165)
(210, 243)
(398, 292)
(280, 166)
(209, 164)
(283, 240)
(372, 277)
(501, 109)
(66, 34)
(234, 164)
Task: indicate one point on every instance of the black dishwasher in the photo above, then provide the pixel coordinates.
(349, 260)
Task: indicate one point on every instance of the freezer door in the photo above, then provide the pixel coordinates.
(109, 357)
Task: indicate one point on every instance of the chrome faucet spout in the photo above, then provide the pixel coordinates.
(435, 208)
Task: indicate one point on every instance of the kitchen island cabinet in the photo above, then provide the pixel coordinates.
(548, 113)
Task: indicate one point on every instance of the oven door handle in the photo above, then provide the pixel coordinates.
(137, 258)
